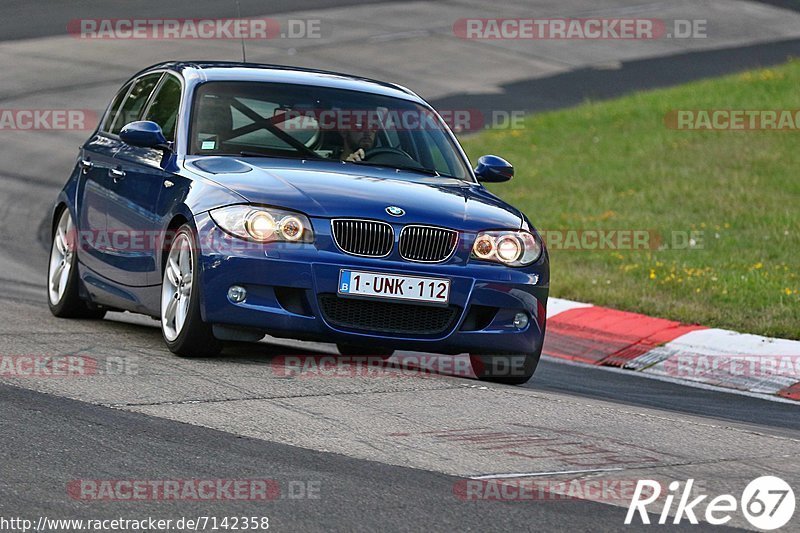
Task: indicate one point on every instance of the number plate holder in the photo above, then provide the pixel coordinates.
(423, 289)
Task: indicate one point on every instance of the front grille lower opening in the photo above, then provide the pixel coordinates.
(387, 317)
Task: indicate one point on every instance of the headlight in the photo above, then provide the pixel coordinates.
(512, 248)
(263, 224)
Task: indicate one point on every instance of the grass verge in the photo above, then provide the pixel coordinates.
(615, 165)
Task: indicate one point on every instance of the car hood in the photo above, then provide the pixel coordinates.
(321, 189)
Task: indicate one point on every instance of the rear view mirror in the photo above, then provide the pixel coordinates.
(493, 169)
(144, 134)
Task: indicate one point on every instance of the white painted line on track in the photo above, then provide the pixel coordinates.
(556, 306)
(540, 474)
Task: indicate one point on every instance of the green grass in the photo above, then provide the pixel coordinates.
(615, 165)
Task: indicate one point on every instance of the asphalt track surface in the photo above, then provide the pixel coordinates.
(48, 17)
(378, 447)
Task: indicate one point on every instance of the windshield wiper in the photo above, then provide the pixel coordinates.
(247, 153)
(408, 168)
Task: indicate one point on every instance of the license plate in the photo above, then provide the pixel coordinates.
(414, 288)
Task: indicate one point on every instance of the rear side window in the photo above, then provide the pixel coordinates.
(134, 101)
(164, 108)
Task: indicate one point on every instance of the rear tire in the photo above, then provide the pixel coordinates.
(63, 282)
(508, 369)
(182, 326)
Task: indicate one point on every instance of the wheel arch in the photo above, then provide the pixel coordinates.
(58, 208)
(175, 222)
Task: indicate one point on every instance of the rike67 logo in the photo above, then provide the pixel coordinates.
(767, 502)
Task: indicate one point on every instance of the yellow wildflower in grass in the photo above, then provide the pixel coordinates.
(769, 74)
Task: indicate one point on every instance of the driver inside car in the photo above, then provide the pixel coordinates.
(356, 142)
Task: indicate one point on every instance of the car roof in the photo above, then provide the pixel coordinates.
(237, 71)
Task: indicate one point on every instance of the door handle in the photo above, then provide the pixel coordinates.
(116, 173)
(86, 164)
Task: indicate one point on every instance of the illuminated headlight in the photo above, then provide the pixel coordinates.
(509, 248)
(484, 247)
(291, 228)
(260, 225)
(512, 248)
(263, 224)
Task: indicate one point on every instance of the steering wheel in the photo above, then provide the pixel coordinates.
(389, 156)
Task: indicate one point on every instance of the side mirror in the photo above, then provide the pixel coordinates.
(493, 169)
(144, 134)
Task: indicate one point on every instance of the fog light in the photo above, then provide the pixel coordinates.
(237, 294)
(521, 320)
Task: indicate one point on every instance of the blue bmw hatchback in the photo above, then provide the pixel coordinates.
(234, 200)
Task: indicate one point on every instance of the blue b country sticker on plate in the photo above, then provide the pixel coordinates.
(344, 281)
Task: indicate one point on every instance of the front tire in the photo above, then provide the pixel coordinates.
(182, 327)
(508, 369)
(63, 283)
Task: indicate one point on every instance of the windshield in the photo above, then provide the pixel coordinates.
(309, 122)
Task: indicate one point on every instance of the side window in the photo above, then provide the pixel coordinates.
(112, 111)
(135, 100)
(164, 109)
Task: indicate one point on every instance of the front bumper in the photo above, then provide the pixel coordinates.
(285, 284)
